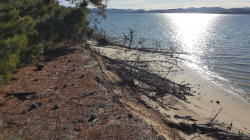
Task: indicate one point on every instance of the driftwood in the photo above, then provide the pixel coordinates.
(158, 84)
(207, 130)
(212, 120)
(185, 117)
(149, 50)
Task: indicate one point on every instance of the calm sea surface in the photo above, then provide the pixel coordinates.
(218, 45)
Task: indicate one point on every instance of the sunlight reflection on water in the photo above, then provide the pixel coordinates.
(191, 31)
(216, 44)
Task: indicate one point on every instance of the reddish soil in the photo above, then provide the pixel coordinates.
(66, 96)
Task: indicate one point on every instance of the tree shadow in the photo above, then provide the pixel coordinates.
(20, 96)
(53, 53)
(160, 85)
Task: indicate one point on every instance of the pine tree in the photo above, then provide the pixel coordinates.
(27, 27)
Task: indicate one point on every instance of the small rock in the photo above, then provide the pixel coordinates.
(77, 129)
(36, 80)
(240, 132)
(55, 107)
(217, 102)
(33, 106)
(39, 67)
(229, 128)
(82, 76)
(130, 116)
(74, 69)
(92, 118)
(95, 120)
(98, 80)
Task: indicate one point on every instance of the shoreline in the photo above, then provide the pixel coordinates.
(208, 98)
(215, 78)
(235, 110)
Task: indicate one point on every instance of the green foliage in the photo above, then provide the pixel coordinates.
(9, 52)
(27, 27)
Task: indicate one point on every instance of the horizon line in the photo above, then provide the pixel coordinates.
(175, 8)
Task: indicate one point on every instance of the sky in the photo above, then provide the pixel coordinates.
(169, 4)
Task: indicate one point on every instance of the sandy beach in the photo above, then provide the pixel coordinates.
(235, 109)
(209, 97)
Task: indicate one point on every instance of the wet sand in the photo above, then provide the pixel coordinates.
(210, 97)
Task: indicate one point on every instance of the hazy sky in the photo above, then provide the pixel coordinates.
(167, 4)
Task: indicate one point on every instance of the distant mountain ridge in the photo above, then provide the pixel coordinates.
(214, 10)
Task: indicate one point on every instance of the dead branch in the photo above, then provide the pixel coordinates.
(206, 130)
(212, 120)
(87, 94)
(129, 37)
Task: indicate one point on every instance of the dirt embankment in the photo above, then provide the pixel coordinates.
(67, 97)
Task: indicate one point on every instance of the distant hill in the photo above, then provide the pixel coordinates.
(214, 10)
